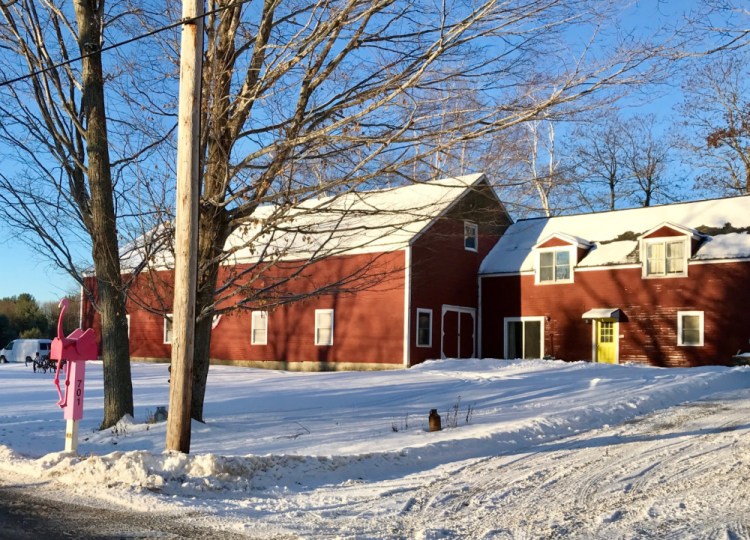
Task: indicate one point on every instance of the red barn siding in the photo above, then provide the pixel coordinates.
(147, 335)
(368, 317)
(368, 324)
(443, 273)
(648, 330)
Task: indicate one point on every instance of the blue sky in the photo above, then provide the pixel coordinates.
(23, 270)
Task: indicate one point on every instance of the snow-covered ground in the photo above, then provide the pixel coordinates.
(530, 449)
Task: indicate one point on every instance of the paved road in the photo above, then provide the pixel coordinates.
(25, 517)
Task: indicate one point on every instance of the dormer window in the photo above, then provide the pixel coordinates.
(554, 266)
(665, 258)
(665, 250)
(471, 236)
(556, 258)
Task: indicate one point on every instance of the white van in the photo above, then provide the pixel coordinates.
(24, 350)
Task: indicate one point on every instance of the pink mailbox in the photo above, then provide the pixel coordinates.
(71, 354)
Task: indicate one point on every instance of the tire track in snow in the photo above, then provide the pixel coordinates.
(648, 477)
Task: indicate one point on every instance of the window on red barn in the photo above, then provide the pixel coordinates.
(690, 328)
(665, 258)
(554, 266)
(259, 328)
(168, 328)
(471, 236)
(323, 327)
(424, 327)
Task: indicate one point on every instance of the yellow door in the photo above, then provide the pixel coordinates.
(606, 346)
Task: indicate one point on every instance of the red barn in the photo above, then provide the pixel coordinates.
(365, 280)
(665, 285)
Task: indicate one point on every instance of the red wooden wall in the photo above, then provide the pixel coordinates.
(368, 323)
(443, 273)
(368, 316)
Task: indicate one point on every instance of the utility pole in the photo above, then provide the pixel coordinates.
(186, 227)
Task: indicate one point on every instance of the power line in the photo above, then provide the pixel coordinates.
(186, 20)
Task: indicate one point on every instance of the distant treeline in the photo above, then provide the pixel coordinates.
(23, 317)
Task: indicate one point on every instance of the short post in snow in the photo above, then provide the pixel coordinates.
(71, 354)
(434, 420)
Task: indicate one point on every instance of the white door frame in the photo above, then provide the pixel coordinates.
(459, 310)
(540, 319)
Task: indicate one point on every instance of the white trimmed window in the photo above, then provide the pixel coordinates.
(524, 337)
(168, 328)
(471, 236)
(259, 328)
(664, 258)
(424, 327)
(690, 328)
(554, 266)
(323, 327)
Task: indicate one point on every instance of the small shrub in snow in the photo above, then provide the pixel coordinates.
(120, 429)
(454, 412)
(469, 412)
(400, 425)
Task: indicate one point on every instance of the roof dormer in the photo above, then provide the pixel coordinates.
(665, 250)
(556, 257)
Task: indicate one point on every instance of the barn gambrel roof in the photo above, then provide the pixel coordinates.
(723, 227)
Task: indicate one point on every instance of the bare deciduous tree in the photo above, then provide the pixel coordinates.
(543, 166)
(647, 157)
(716, 119)
(600, 162)
(622, 162)
(716, 26)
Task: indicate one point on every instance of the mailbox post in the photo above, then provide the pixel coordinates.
(71, 354)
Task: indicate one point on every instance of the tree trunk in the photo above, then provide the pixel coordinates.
(213, 225)
(211, 238)
(118, 388)
(201, 357)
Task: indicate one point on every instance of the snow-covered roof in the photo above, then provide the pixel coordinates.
(349, 223)
(725, 246)
(603, 254)
(353, 222)
(602, 313)
(723, 226)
